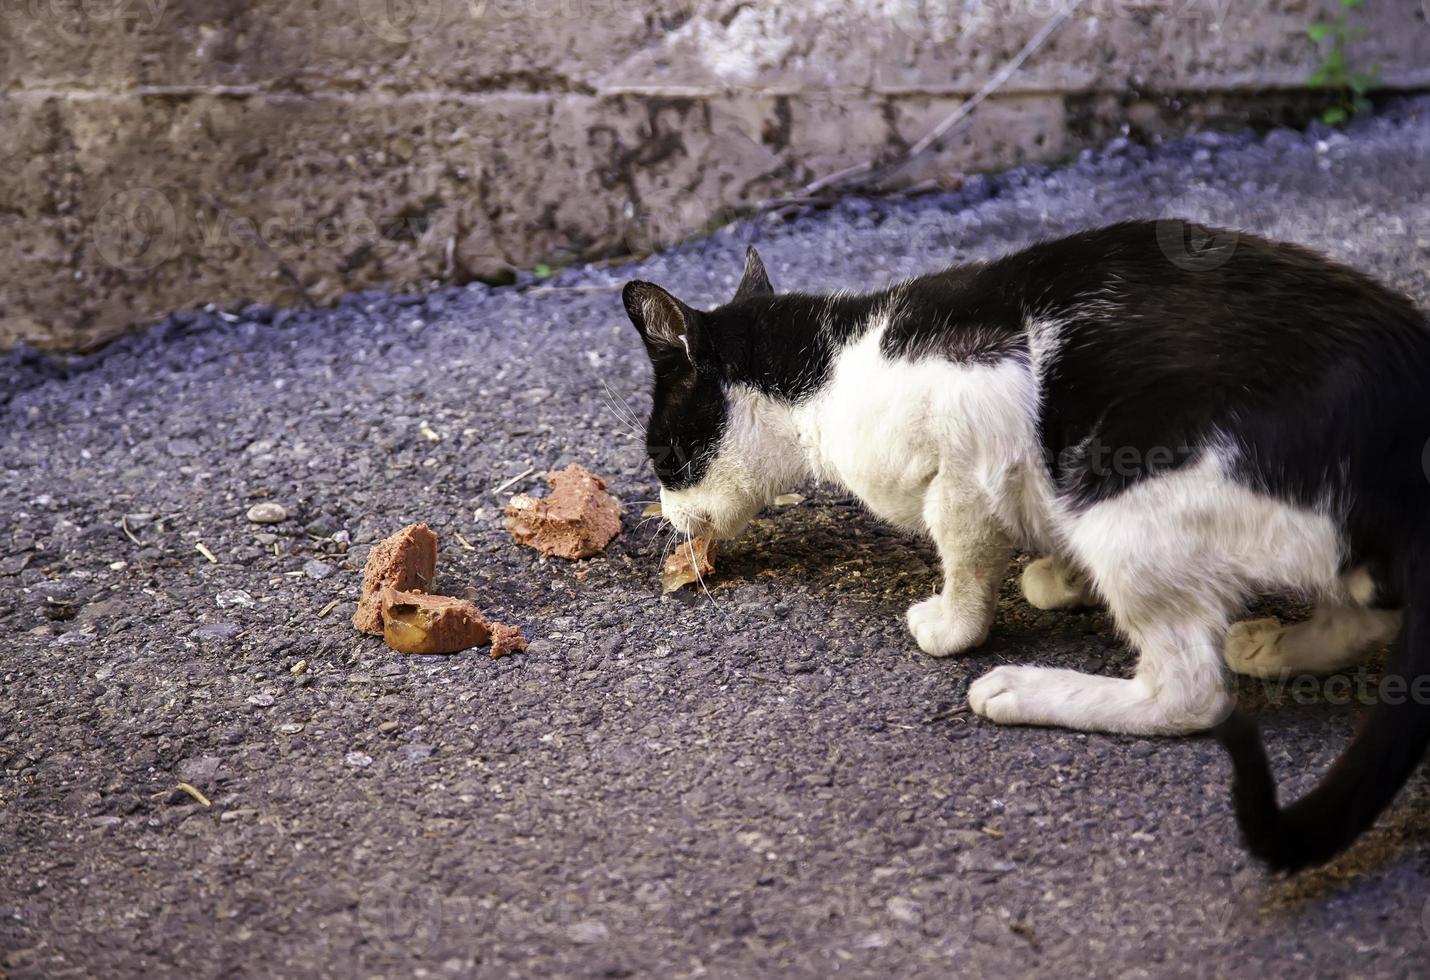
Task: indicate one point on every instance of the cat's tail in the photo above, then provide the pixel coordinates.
(1362, 782)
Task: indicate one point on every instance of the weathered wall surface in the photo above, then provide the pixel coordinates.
(160, 153)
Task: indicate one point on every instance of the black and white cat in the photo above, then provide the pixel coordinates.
(1173, 435)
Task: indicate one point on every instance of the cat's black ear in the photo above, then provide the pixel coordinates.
(755, 282)
(664, 322)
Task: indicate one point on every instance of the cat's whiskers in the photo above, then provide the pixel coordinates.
(660, 526)
(644, 521)
(695, 565)
(670, 540)
(630, 412)
(627, 420)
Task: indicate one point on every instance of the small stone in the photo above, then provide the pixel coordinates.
(388, 727)
(290, 728)
(229, 598)
(262, 700)
(267, 513)
(317, 569)
(199, 770)
(414, 753)
(982, 862)
(540, 648)
(987, 929)
(358, 760)
(257, 313)
(74, 639)
(217, 632)
(320, 528)
(588, 931)
(904, 910)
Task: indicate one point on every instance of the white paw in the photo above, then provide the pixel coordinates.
(1251, 647)
(1004, 694)
(941, 630)
(1047, 585)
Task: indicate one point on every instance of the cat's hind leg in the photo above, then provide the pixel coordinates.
(1171, 556)
(1335, 637)
(1052, 583)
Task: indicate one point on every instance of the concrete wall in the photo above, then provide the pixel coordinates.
(162, 153)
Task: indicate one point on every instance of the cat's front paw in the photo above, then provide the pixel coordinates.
(1000, 694)
(941, 630)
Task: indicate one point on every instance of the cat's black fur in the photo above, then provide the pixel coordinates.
(1318, 374)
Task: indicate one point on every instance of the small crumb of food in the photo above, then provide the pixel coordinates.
(414, 622)
(405, 562)
(691, 562)
(507, 640)
(577, 519)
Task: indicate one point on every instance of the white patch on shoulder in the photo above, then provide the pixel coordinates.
(884, 428)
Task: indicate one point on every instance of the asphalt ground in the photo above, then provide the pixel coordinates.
(768, 781)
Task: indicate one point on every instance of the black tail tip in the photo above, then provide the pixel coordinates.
(1237, 732)
(1253, 795)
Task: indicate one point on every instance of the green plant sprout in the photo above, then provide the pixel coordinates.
(1349, 88)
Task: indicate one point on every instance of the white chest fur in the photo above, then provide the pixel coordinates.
(886, 428)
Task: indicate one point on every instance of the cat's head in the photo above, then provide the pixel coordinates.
(720, 449)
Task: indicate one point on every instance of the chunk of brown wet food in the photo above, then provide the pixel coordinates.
(577, 519)
(405, 562)
(506, 640)
(414, 622)
(692, 561)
